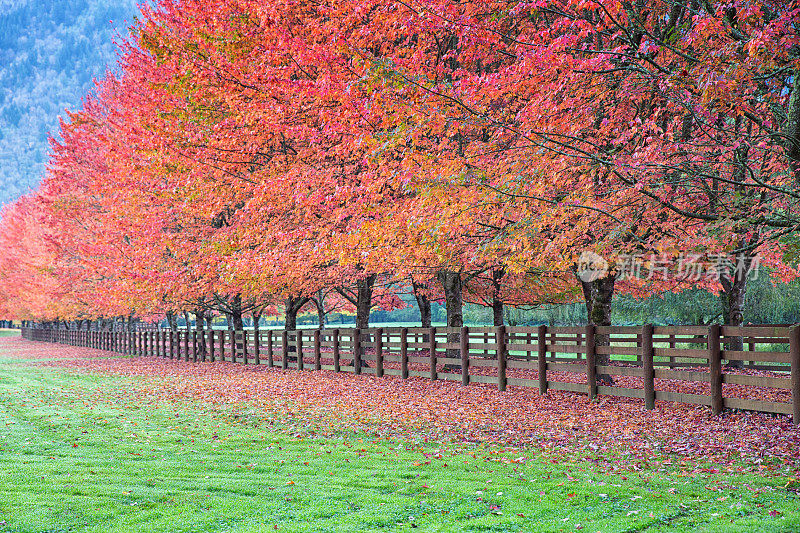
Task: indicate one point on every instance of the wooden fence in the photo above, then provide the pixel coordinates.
(686, 364)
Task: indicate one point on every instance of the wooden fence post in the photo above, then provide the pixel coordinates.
(464, 349)
(404, 353)
(212, 347)
(270, 354)
(379, 352)
(357, 351)
(648, 368)
(715, 368)
(542, 361)
(794, 355)
(639, 344)
(317, 350)
(502, 353)
(257, 347)
(299, 338)
(245, 351)
(671, 365)
(186, 345)
(194, 346)
(432, 348)
(591, 363)
(337, 363)
(222, 335)
(285, 350)
(529, 341)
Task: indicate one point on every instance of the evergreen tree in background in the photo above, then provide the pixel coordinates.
(50, 51)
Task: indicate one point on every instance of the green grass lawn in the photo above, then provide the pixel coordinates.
(83, 453)
(9, 333)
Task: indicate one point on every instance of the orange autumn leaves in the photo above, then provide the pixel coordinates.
(271, 150)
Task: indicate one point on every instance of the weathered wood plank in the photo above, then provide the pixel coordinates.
(758, 405)
(620, 392)
(683, 397)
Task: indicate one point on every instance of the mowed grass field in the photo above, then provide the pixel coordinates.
(90, 452)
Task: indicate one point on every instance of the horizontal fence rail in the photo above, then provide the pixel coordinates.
(753, 368)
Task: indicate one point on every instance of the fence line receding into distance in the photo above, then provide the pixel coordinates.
(685, 364)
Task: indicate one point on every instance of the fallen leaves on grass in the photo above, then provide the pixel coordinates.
(618, 430)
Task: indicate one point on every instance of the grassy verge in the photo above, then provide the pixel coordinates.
(86, 453)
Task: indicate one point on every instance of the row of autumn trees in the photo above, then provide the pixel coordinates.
(251, 157)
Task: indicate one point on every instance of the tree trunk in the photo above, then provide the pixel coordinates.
(236, 313)
(290, 316)
(199, 324)
(256, 320)
(320, 303)
(238, 322)
(423, 302)
(497, 303)
(172, 321)
(293, 306)
(186, 319)
(598, 294)
(734, 286)
(453, 295)
(364, 300)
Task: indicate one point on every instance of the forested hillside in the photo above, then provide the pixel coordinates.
(50, 51)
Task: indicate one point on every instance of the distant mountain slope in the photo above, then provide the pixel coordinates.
(50, 51)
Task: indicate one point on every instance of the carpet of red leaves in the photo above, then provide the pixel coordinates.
(613, 429)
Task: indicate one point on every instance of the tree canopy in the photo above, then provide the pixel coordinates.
(248, 155)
